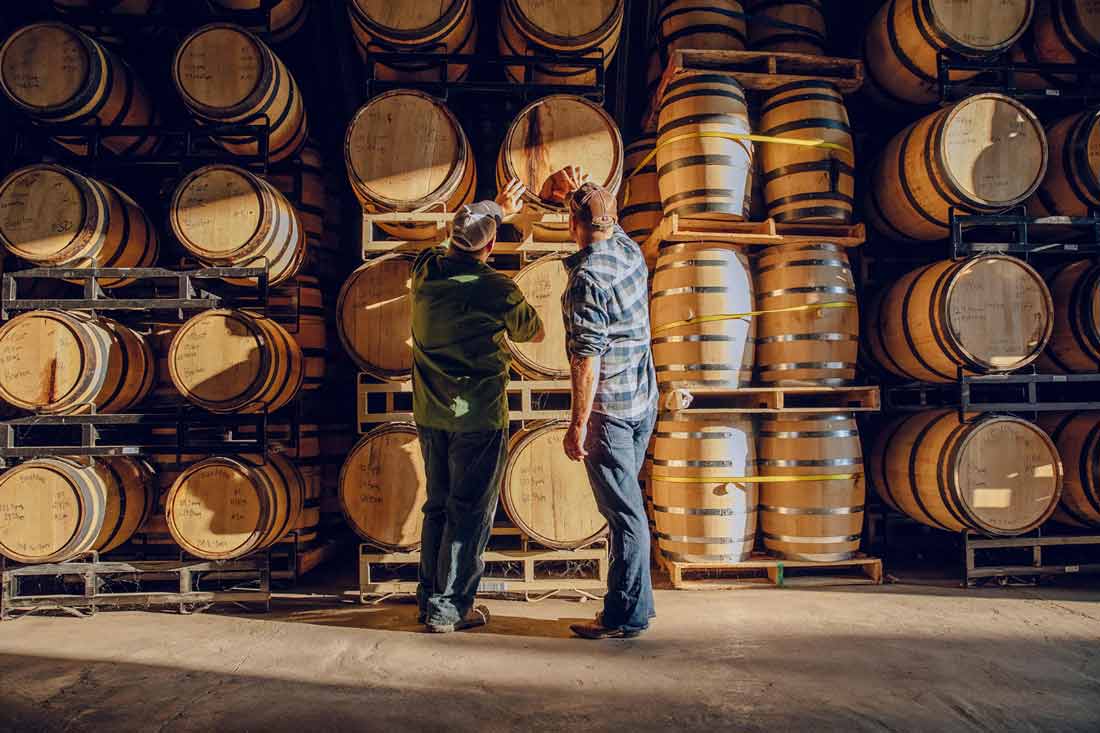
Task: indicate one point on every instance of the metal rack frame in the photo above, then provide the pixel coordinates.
(1014, 232)
(1001, 75)
(977, 393)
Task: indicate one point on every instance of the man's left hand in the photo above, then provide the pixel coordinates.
(574, 442)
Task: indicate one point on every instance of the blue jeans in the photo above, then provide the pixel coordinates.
(616, 450)
(464, 471)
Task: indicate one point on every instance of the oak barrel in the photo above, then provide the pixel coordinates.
(383, 487)
(808, 332)
(812, 506)
(61, 76)
(228, 217)
(703, 335)
(54, 216)
(226, 75)
(1063, 32)
(278, 20)
(718, 25)
(996, 474)
(640, 210)
(66, 362)
(417, 27)
(704, 493)
(703, 168)
(559, 29)
(552, 133)
(543, 283)
(298, 306)
(981, 315)
(905, 38)
(234, 361)
(1077, 436)
(391, 169)
(228, 507)
(374, 316)
(1074, 345)
(1071, 186)
(302, 181)
(807, 184)
(982, 155)
(790, 26)
(54, 509)
(546, 495)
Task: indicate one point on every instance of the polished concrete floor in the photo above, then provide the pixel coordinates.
(896, 657)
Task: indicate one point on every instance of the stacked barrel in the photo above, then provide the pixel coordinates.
(948, 319)
(262, 207)
(396, 176)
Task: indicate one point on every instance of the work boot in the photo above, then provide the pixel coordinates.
(596, 630)
(476, 616)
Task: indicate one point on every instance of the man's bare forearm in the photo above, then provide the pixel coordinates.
(584, 373)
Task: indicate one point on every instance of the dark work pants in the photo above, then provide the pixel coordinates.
(464, 471)
(616, 450)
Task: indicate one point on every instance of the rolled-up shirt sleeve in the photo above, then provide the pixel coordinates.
(586, 318)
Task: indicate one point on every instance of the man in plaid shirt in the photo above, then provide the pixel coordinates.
(606, 312)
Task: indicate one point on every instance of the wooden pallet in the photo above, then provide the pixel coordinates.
(105, 585)
(511, 240)
(999, 561)
(674, 228)
(764, 571)
(380, 402)
(290, 562)
(761, 70)
(717, 400)
(535, 584)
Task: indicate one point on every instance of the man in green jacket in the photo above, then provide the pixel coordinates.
(462, 311)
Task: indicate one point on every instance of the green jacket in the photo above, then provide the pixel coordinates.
(461, 311)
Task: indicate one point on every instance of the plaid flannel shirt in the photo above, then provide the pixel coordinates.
(606, 310)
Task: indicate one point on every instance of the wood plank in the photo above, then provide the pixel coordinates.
(774, 573)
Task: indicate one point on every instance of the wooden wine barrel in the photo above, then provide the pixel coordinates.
(222, 508)
(374, 316)
(66, 362)
(703, 506)
(226, 75)
(543, 283)
(1077, 437)
(1074, 345)
(981, 315)
(391, 169)
(59, 508)
(994, 474)
(790, 26)
(814, 346)
(383, 487)
(546, 495)
(298, 306)
(61, 76)
(695, 342)
(1072, 183)
(228, 217)
(282, 19)
(812, 506)
(302, 182)
(702, 175)
(807, 184)
(555, 132)
(640, 209)
(417, 27)
(233, 361)
(560, 29)
(904, 40)
(1063, 32)
(694, 24)
(53, 216)
(984, 154)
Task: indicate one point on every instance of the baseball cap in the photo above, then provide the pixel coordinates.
(475, 225)
(593, 205)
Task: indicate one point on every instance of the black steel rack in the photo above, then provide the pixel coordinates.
(1079, 82)
(1028, 393)
(1014, 232)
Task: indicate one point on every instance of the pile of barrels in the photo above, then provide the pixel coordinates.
(233, 360)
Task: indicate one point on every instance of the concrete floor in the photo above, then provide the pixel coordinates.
(863, 658)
